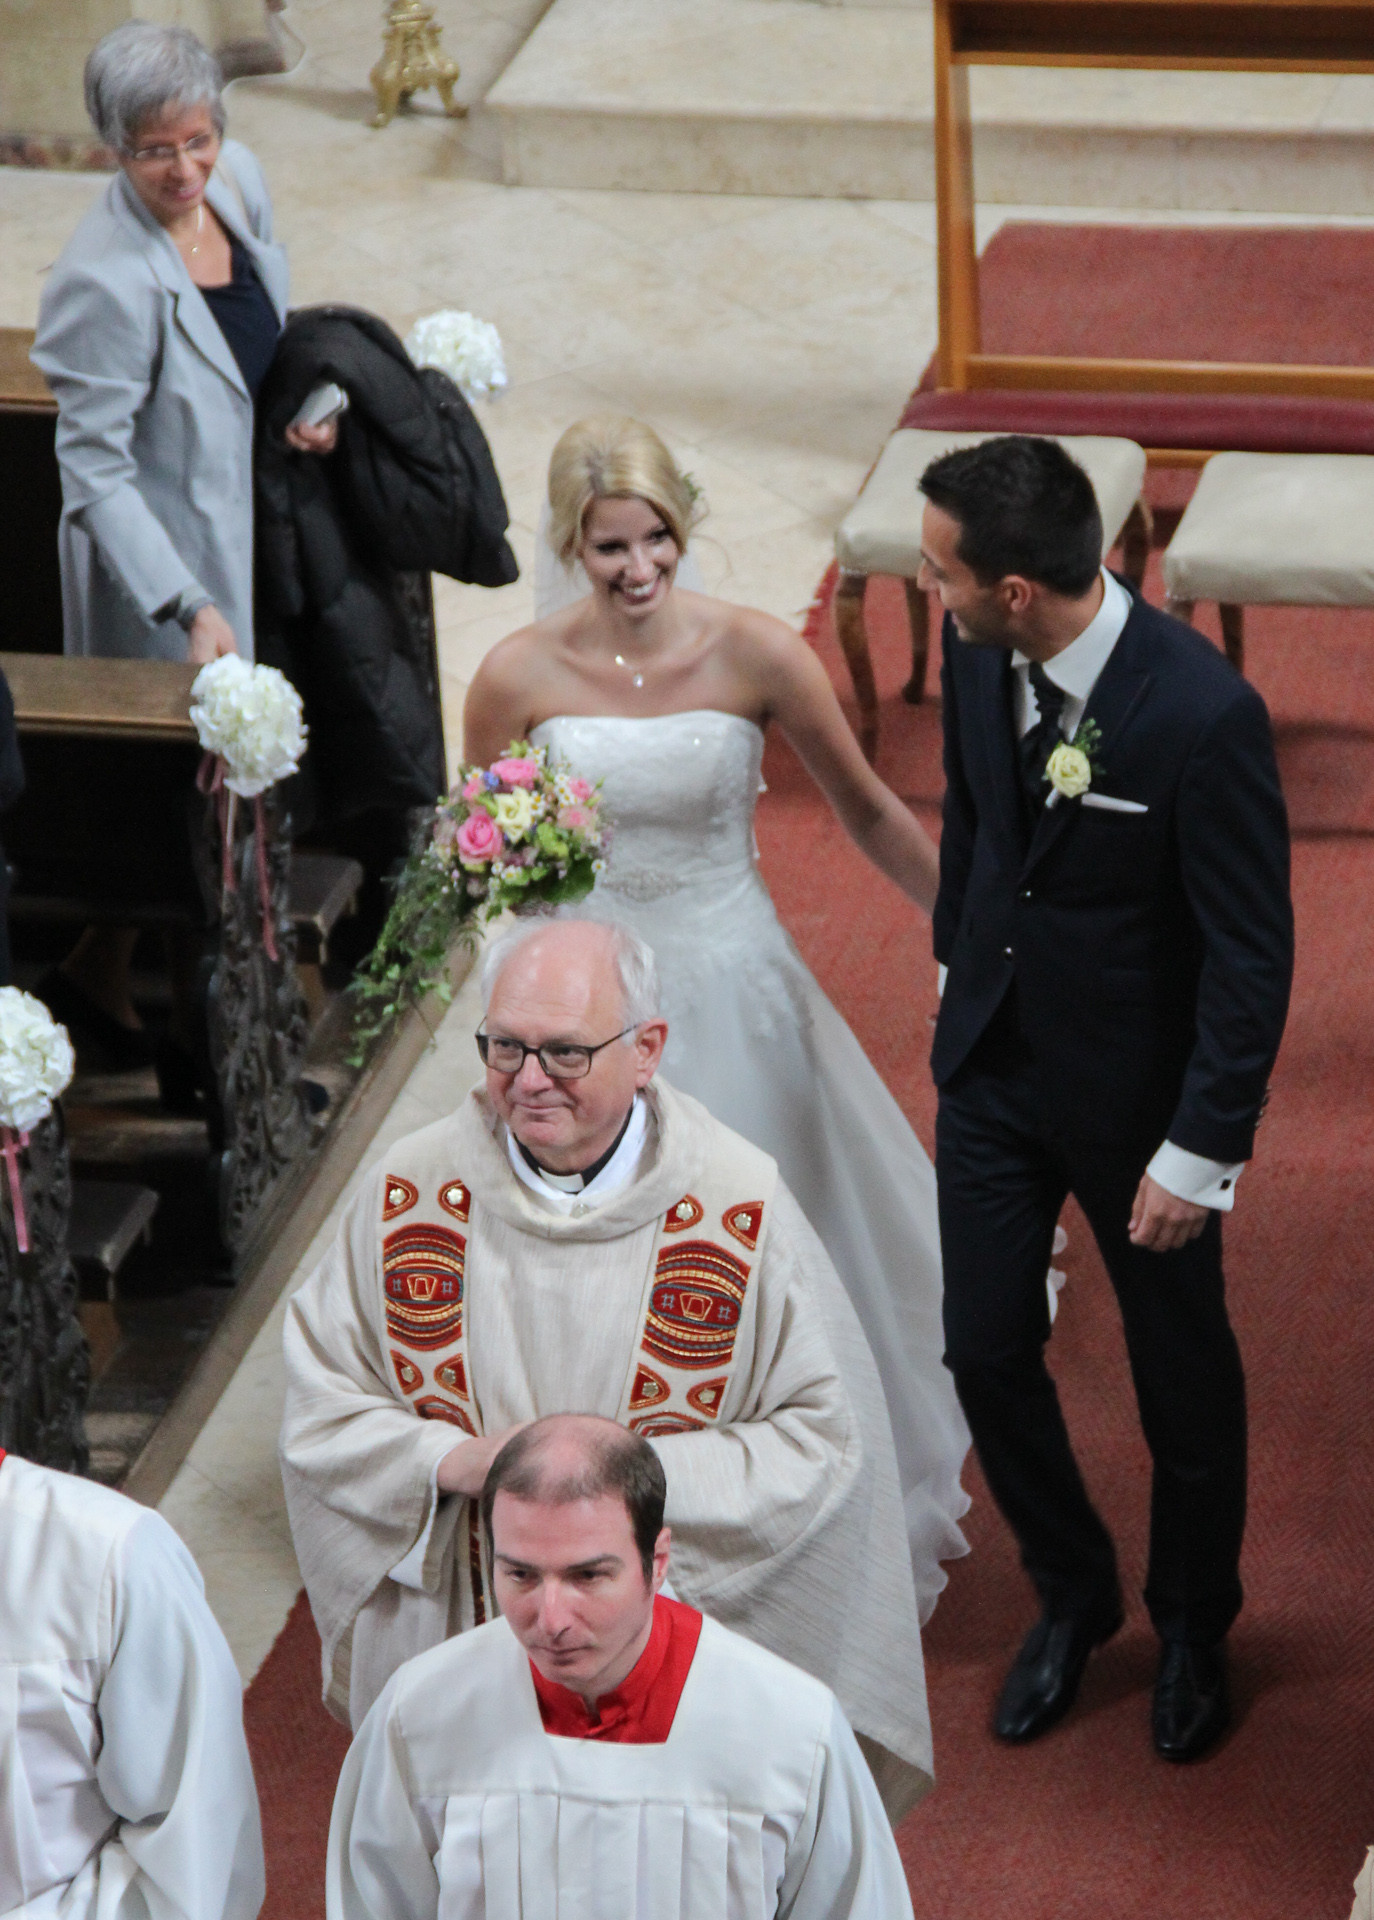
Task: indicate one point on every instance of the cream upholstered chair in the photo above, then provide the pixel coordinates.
(1274, 530)
(881, 533)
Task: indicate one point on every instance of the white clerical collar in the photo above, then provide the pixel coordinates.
(1076, 669)
(618, 1171)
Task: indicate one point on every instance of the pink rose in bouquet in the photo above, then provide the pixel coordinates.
(574, 819)
(474, 786)
(579, 788)
(516, 773)
(479, 837)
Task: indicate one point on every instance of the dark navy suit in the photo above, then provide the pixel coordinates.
(1115, 980)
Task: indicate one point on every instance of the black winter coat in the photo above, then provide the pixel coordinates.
(410, 489)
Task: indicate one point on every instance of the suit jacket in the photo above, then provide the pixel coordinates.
(1152, 952)
(155, 424)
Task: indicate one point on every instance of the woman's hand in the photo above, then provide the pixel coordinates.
(321, 439)
(210, 637)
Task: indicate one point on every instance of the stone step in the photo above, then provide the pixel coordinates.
(835, 101)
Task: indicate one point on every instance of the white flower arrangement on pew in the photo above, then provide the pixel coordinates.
(249, 721)
(36, 1065)
(249, 717)
(467, 349)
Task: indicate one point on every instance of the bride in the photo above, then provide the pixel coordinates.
(663, 695)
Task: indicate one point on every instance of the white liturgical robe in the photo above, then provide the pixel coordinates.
(455, 1802)
(126, 1791)
(694, 1304)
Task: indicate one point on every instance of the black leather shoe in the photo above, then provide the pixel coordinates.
(1192, 1707)
(1043, 1682)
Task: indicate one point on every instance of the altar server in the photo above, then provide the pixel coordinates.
(126, 1791)
(602, 1744)
(580, 1238)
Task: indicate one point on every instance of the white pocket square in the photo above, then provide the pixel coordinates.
(1108, 805)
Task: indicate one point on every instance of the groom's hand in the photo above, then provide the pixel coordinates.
(1161, 1222)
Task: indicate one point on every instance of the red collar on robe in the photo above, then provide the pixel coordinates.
(641, 1710)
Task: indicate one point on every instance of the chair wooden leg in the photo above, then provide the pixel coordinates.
(853, 638)
(918, 612)
(1136, 537)
(1180, 610)
(1233, 634)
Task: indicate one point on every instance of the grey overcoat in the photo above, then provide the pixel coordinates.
(155, 424)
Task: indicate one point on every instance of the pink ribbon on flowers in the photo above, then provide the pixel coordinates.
(13, 1143)
(269, 938)
(210, 780)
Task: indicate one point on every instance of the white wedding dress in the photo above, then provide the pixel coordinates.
(753, 1037)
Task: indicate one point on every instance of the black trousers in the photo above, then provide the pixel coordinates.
(1004, 1169)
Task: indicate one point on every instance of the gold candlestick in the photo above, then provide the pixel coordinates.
(411, 59)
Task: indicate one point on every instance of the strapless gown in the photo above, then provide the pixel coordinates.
(753, 1037)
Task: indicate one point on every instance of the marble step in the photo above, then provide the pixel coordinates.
(794, 97)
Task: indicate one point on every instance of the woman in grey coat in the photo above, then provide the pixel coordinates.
(156, 327)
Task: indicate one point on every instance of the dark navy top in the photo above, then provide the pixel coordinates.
(246, 317)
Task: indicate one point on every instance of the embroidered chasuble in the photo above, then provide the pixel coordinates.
(455, 1799)
(125, 1785)
(695, 1305)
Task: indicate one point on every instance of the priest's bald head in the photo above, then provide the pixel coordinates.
(573, 1506)
(572, 1031)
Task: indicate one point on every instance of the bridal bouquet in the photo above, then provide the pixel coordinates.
(525, 832)
(36, 1063)
(467, 349)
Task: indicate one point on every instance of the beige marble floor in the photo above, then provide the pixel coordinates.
(772, 340)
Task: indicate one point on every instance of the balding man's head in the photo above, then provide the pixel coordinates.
(570, 1457)
(585, 996)
(573, 1507)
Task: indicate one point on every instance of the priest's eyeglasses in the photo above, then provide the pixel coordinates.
(560, 1059)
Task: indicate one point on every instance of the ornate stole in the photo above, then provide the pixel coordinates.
(696, 1298)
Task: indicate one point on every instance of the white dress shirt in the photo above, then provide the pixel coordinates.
(1188, 1176)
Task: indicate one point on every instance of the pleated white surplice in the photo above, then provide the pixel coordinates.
(454, 1804)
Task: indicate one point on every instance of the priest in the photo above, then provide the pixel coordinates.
(601, 1744)
(578, 1237)
(125, 1784)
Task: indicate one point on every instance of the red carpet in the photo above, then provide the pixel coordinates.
(1087, 1824)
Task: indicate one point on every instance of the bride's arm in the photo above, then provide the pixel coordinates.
(797, 693)
(497, 709)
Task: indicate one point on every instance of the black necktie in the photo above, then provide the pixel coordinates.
(1043, 737)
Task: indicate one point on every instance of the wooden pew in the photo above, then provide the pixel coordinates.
(112, 827)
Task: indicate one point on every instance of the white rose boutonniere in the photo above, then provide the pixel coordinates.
(1071, 767)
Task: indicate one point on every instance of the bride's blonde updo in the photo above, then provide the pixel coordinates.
(613, 457)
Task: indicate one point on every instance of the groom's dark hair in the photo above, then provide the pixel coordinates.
(1023, 506)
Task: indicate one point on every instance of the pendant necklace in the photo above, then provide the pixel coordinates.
(636, 678)
(200, 222)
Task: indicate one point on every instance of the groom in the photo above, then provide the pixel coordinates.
(1118, 939)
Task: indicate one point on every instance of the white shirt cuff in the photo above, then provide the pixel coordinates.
(1188, 1176)
(942, 974)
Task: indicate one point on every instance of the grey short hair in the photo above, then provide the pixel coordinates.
(635, 965)
(140, 70)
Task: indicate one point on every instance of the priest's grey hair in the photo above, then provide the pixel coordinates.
(139, 71)
(635, 965)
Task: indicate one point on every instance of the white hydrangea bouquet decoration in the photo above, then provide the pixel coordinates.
(525, 832)
(467, 349)
(36, 1064)
(249, 720)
